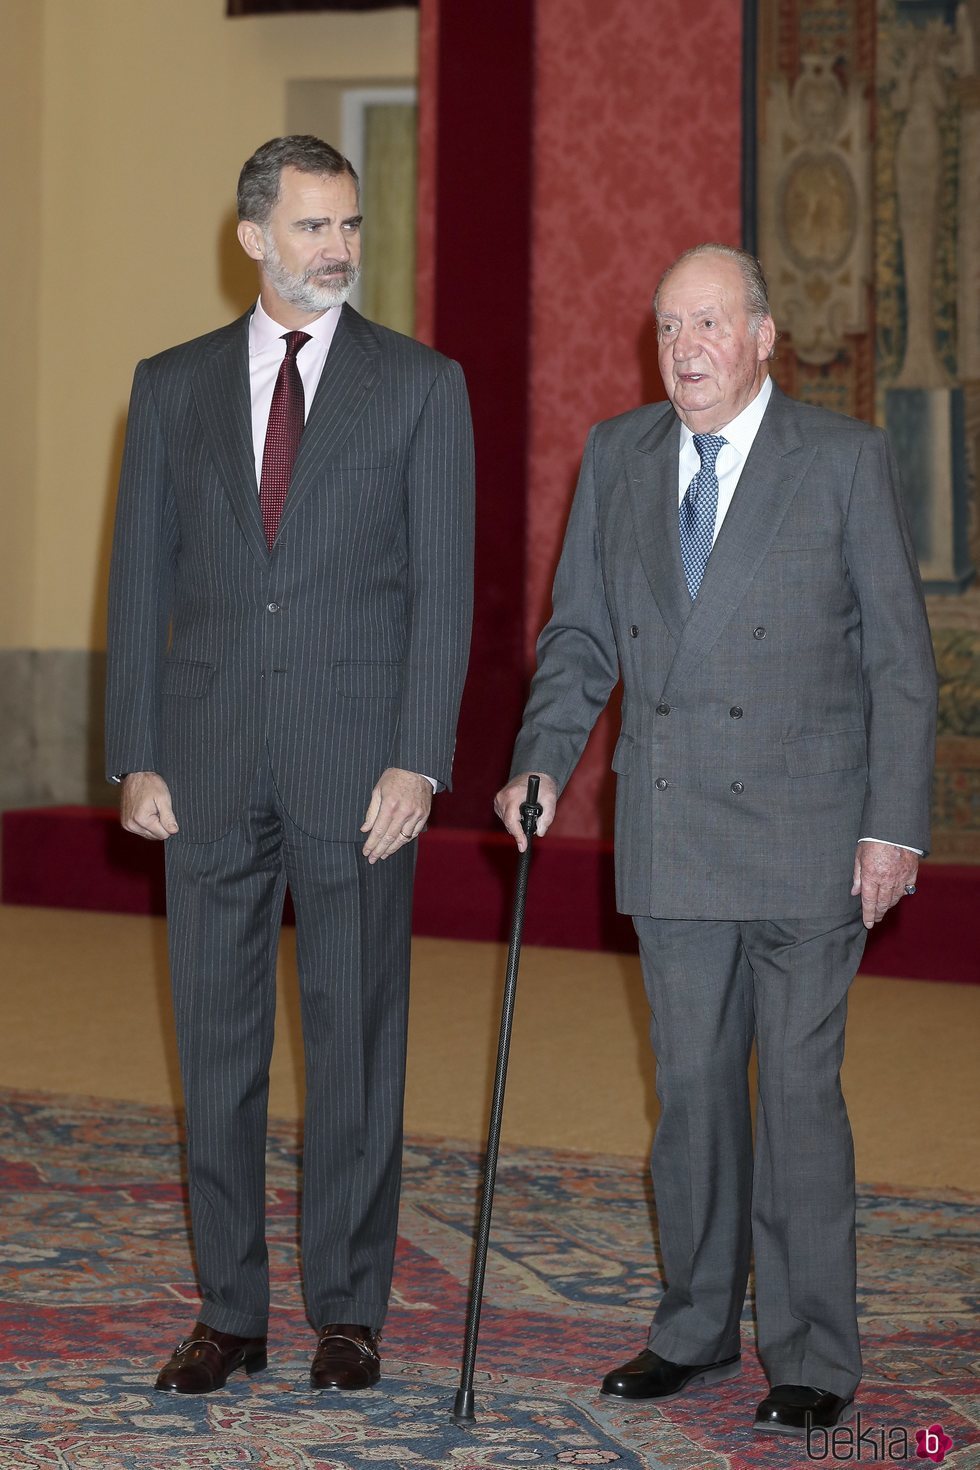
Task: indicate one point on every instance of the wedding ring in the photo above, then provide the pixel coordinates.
(910, 889)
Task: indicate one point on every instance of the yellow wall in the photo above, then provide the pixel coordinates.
(148, 110)
(20, 167)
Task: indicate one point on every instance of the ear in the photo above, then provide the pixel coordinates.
(766, 337)
(250, 239)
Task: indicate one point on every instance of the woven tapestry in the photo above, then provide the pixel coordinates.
(868, 169)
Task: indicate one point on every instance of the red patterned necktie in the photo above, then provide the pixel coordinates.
(287, 416)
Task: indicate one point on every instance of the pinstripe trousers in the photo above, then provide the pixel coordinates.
(353, 925)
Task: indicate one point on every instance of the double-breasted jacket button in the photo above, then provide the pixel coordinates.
(737, 788)
(273, 607)
(759, 632)
(663, 709)
(736, 711)
(661, 784)
(634, 631)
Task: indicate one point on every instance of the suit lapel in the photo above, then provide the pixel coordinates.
(652, 471)
(770, 479)
(221, 391)
(349, 378)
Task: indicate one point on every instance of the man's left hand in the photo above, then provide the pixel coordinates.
(881, 872)
(397, 812)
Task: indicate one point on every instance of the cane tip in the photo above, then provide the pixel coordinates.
(463, 1414)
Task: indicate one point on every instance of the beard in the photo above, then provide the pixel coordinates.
(317, 289)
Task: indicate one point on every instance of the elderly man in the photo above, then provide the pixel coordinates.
(742, 561)
(289, 621)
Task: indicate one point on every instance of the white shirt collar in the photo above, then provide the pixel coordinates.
(741, 432)
(264, 333)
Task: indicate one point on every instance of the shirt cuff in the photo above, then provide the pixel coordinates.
(904, 846)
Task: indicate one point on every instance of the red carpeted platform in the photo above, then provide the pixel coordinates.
(78, 857)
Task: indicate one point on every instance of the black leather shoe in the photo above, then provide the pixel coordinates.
(649, 1376)
(203, 1361)
(346, 1357)
(790, 1408)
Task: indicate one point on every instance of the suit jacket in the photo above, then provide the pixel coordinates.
(785, 713)
(343, 650)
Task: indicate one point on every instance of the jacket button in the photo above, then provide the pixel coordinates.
(663, 709)
(737, 788)
(634, 631)
(273, 607)
(758, 632)
(735, 712)
(661, 784)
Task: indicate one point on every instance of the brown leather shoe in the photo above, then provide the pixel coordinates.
(346, 1357)
(203, 1361)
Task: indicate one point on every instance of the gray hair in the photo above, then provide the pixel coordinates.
(756, 290)
(259, 180)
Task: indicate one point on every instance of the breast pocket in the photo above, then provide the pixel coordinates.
(817, 547)
(379, 461)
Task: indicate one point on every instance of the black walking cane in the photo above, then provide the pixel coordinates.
(463, 1407)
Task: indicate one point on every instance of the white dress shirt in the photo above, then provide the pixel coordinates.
(266, 350)
(740, 436)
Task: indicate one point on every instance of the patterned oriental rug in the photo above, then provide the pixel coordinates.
(97, 1286)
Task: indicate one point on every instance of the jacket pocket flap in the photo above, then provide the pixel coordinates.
(187, 677)
(369, 680)
(813, 755)
(623, 755)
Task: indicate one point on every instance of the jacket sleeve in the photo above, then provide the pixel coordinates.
(440, 510)
(577, 662)
(897, 661)
(144, 553)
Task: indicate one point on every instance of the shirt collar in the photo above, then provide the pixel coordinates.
(264, 333)
(741, 432)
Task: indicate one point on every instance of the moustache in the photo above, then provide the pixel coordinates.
(331, 270)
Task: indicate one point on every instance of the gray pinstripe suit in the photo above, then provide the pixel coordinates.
(292, 679)
(767, 726)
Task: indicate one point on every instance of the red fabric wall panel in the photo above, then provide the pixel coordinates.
(565, 158)
(637, 140)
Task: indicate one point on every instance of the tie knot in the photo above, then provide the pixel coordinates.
(708, 446)
(295, 340)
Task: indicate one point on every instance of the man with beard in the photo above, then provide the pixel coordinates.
(288, 631)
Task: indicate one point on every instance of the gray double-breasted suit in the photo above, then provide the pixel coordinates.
(270, 689)
(767, 726)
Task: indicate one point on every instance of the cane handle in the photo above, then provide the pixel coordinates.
(531, 808)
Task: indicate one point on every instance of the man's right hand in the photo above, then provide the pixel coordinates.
(507, 805)
(145, 807)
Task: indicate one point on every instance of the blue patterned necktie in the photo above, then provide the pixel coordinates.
(698, 510)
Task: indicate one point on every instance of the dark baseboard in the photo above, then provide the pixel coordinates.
(78, 857)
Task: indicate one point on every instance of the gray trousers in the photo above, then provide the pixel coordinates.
(353, 926)
(713, 986)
